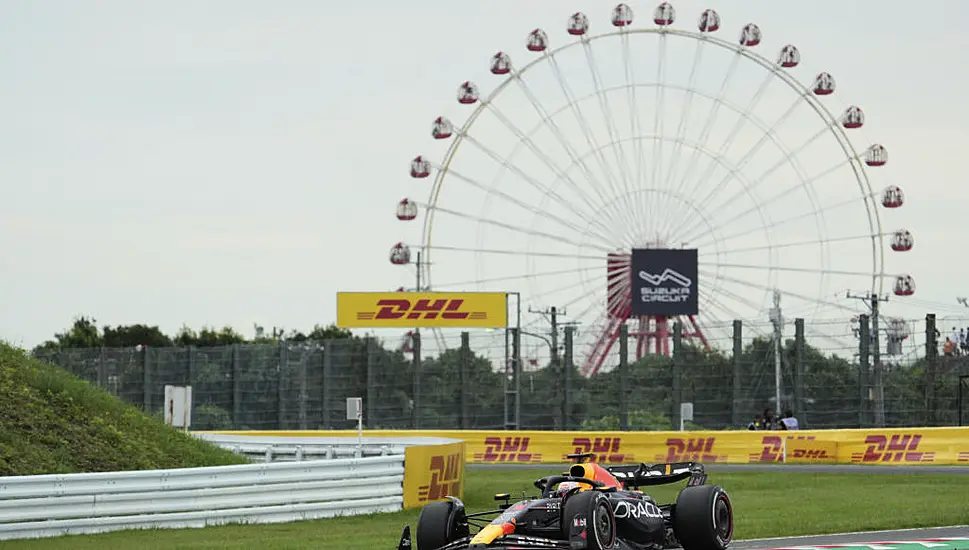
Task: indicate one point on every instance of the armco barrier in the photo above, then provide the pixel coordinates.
(433, 466)
(868, 446)
(51, 505)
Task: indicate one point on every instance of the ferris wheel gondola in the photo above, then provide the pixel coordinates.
(535, 195)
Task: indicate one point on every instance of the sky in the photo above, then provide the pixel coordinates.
(238, 162)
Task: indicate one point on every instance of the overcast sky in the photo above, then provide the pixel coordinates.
(238, 161)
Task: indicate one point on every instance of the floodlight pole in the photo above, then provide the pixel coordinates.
(963, 382)
(778, 320)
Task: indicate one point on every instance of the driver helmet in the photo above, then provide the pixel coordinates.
(565, 487)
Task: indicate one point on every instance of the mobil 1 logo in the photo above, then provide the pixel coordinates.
(664, 281)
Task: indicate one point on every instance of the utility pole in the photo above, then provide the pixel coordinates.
(777, 319)
(878, 383)
(552, 316)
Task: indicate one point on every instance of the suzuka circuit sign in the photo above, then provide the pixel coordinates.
(664, 281)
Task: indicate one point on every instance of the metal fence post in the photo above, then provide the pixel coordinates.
(281, 383)
(931, 367)
(864, 346)
(677, 374)
(326, 406)
(303, 391)
(623, 377)
(146, 379)
(102, 369)
(800, 410)
(236, 387)
(569, 369)
(738, 412)
(463, 375)
(417, 380)
(370, 420)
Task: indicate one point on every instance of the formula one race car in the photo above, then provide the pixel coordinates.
(590, 507)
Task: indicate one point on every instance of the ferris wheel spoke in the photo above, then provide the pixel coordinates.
(758, 205)
(708, 126)
(812, 242)
(629, 70)
(605, 239)
(713, 303)
(520, 276)
(785, 221)
(517, 229)
(658, 116)
(674, 163)
(612, 128)
(539, 186)
(791, 269)
(512, 252)
(750, 154)
(768, 288)
(527, 141)
(587, 133)
(803, 184)
(549, 121)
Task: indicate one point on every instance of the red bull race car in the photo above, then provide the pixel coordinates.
(590, 507)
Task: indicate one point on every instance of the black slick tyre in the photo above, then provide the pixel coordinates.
(439, 524)
(591, 512)
(703, 518)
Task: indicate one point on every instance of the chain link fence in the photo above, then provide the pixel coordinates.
(304, 386)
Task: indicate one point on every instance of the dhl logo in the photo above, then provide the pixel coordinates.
(963, 457)
(445, 478)
(444, 308)
(605, 448)
(509, 449)
(698, 449)
(898, 448)
(773, 450)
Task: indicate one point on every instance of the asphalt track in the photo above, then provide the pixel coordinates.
(808, 468)
(854, 538)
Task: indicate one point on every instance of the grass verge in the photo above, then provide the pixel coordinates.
(52, 422)
(766, 505)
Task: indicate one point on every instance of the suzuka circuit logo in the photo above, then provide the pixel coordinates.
(421, 309)
(670, 287)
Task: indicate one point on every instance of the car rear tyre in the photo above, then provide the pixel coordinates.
(440, 523)
(703, 518)
(591, 511)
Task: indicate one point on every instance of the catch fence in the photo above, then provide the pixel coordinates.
(305, 386)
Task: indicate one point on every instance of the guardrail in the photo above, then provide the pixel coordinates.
(52, 505)
(268, 448)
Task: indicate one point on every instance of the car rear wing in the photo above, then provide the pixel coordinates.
(645, 475)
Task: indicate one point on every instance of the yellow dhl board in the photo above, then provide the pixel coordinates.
(422, 309)
(872, 446)
(432, 472)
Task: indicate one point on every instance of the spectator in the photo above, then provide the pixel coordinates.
(769, 420)
(948, 348)
(757, 424)
(789, 422)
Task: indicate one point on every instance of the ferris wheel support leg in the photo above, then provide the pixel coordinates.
(607, 338)
(642, 337)
(662, 336)
(699, 333)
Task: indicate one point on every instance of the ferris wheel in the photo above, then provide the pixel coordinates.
(652, 174)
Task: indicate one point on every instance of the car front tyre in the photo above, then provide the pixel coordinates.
(703, 518)
(588, 517)
(440, 524)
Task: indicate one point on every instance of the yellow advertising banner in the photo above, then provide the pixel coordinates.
(885, 446)
(421, 309)
(432, 472)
